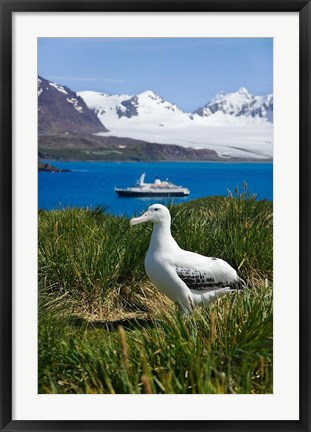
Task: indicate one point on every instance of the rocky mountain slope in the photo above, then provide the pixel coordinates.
(79, 147)
(60, 110)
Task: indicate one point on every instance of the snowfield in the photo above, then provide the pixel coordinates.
(243, 142)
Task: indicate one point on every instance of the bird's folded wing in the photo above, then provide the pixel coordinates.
(208, 278)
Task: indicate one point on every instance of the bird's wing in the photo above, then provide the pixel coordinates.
(201, 273)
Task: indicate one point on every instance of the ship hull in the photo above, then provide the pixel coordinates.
(129, 194)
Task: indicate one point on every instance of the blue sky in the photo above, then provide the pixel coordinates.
(185, 71)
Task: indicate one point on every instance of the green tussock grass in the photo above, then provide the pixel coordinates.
(104, 329)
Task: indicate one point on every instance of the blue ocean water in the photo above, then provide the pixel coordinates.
(92, 183)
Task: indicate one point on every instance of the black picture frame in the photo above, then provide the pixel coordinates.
(8, 7)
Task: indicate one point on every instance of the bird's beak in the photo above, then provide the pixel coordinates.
(143, 218)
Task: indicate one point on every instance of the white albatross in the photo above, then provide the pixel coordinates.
(187, 278)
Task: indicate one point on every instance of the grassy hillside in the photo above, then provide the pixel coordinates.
(103, 328)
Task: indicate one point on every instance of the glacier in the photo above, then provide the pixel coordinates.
(236, 124)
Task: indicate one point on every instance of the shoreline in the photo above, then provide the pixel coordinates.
(237, 161)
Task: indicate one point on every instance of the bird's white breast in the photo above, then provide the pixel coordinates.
(162, 273)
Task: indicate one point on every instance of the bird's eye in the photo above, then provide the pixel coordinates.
(156, 209)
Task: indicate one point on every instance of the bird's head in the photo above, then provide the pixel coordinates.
(156, 213)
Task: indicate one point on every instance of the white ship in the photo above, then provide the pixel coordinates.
(158, 188)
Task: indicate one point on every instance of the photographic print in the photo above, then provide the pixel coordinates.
(155, 215)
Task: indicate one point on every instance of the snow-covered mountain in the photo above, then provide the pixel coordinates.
(142, 109)
(240, 108)
(234, 125)
(239, 104)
